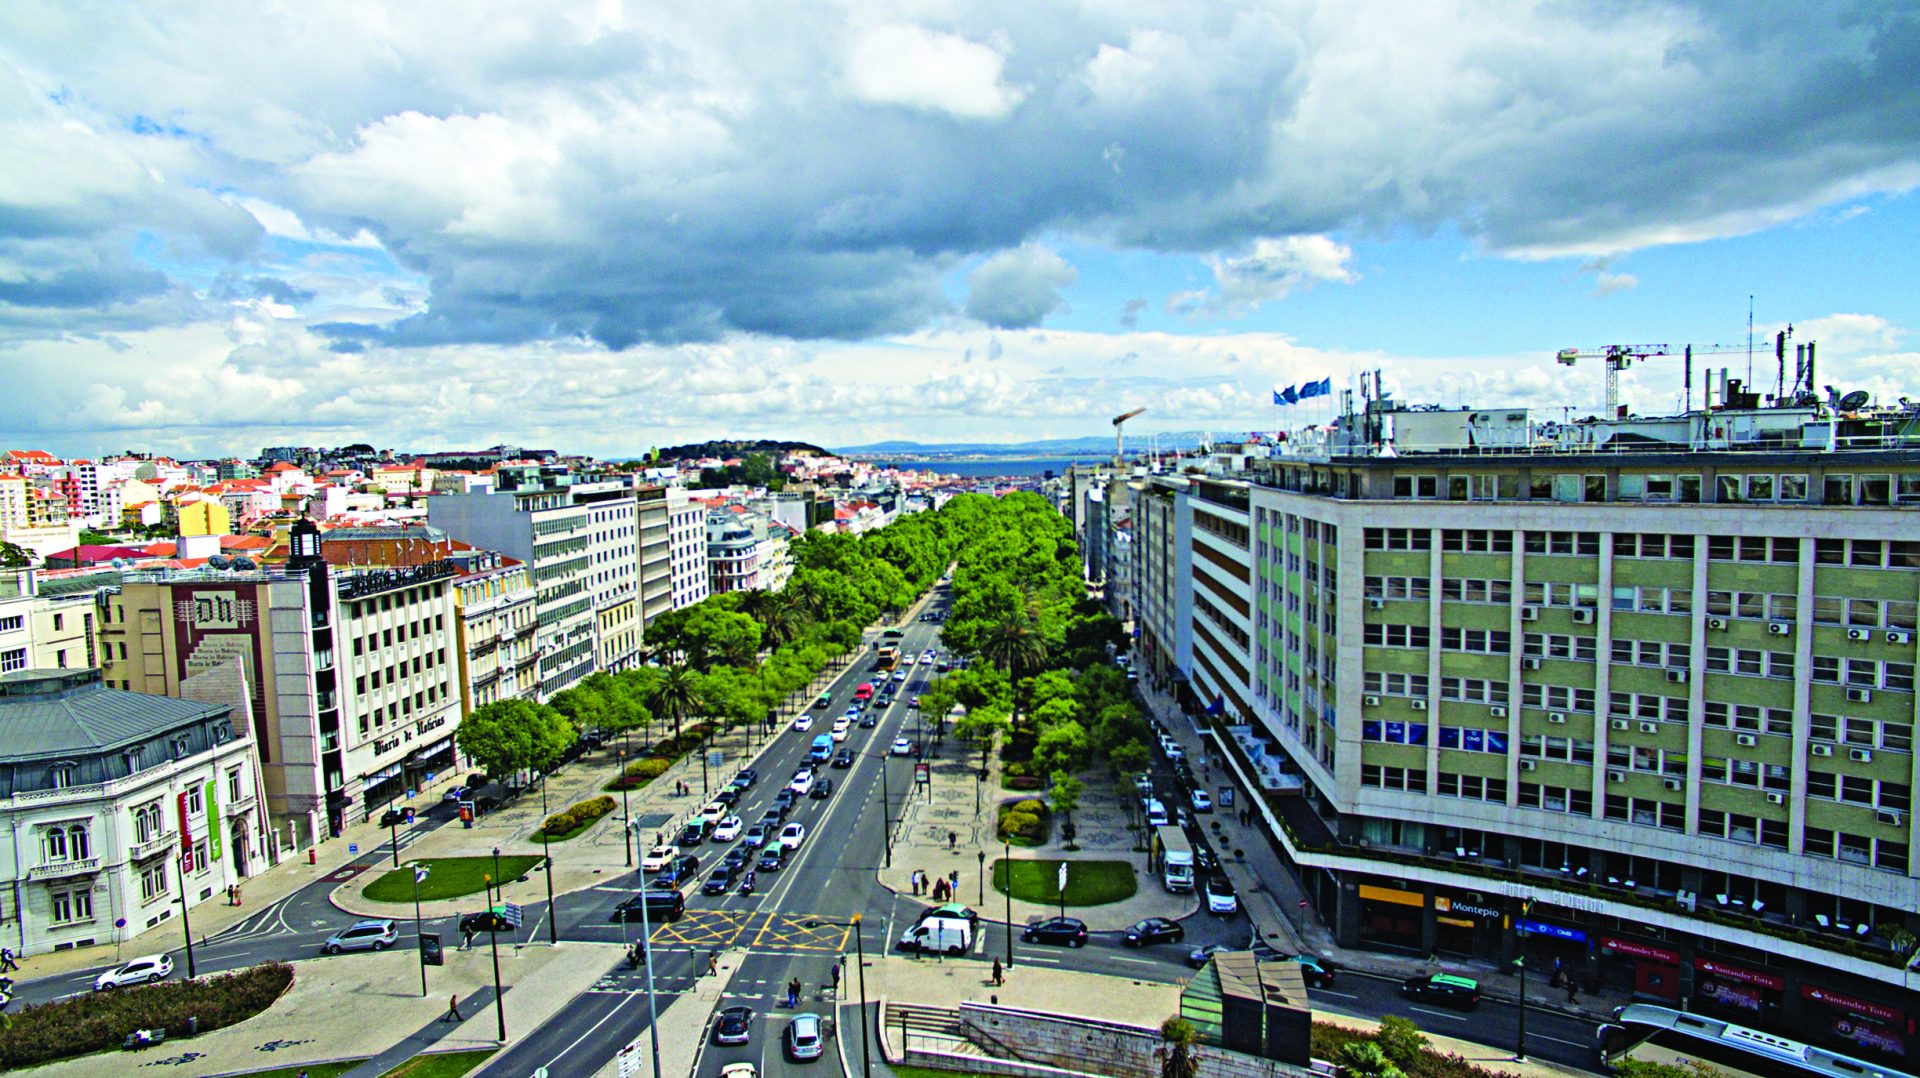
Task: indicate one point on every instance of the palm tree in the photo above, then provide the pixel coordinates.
(1178, 1036)
(780, 622)
(1014, 645)
(678, 694)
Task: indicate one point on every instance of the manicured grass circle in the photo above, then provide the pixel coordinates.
(447, 877)
(1089, 883)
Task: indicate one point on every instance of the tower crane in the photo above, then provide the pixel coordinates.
(1618, 357)
(1118, 457)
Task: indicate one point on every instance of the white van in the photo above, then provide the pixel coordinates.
(1156, 813)
(939, 935)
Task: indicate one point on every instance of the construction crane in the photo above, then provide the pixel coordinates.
(1118, 457)
(1618, 357)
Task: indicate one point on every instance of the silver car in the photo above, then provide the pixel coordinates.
(375, 935)
(803, 1037)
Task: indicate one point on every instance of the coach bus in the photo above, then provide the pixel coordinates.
(1655, 1034)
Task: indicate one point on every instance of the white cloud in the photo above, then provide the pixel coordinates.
(1606, 284)
(1268, 272)
(1016, 289)
(923, 69)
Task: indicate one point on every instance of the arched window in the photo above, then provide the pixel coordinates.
(56, 845)
(77, 843)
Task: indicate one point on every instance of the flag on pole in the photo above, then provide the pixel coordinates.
(1316, 389)
(1284, 396)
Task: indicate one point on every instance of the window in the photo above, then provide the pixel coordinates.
(153, 881)
(148, 824)
(70, 907)
(13, 659)
(196, 805)
(234, 794)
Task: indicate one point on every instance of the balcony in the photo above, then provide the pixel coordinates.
(63, 869)
(140, 851)
(239, 807)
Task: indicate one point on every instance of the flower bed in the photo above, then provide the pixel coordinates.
(97, 1021)
(564, 825)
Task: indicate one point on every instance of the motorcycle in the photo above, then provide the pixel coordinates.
(746, 884)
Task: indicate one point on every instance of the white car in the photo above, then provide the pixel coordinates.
(139, 971)
(901, 746)
(840, 728)
(658, 858)
(792, 835)
(1202, 801)
(804, 722)
(727, 829)
(713, 812)
(1220, 896)
(906, 660)
(802, 783)
(899, 675)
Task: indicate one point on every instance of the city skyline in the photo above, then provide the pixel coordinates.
(615, 227)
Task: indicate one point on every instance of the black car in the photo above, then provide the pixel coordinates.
(822, 787)
(738, 856)
(693, 834)
(679, 870)
(660, 906)
(728, 797)
(843, 759)
(784, 801)
(1462, 993)
(1064, 931)
(746, 777)
(1204, 858)
(472, 924)
(733, 1025)
(722, 880)
(393, 817)
(1153, 930)
(868, 721)
(772, 858)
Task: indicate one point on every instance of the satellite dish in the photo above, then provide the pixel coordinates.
(242, 562)
(218, 561)
(1855, 400)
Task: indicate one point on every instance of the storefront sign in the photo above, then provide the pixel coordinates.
(1542, 928)
(1452, 905)
(1457, 922)
(1851, 1003)
(1726, 994)
(1384, 894)
(1640, 950)
(1769, 981)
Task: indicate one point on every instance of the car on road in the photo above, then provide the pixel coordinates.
(792, 835)
(713, 812)
(951, 909)
(784, 801)
(679, 870)
(907, 659)
(745, 778)
(1204, 859)
(740, 1070)
(943, 665)
(721, 879)
(823, 702)
(737, 857)
(727, 796)
(840, 729)
(370, 935)
(804, 722)
(733, 1025)
(1200, 956)
(757, 835)
(727, 829)
(1201, 801)
(458, 793)
(394, 818)
(658, 858)
(1317, 971)
(1153, 930)
(139, 971)
(843, 759)
(1462, 993)
(773, 858)
(1221, 897)
(902, 747)
(659, 905)
(493, 920)
(803, 1038)
(1143, 782)
(693, 833)
(801, 783)
(899, 675)
(868, 722)
(1062, 931)
(913, 701)
(822, 789)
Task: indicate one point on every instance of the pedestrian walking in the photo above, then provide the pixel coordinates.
(1572, 995)
(999, 975)
(466, 939)
(229, 894)
(237, 899)
(7, 962)
(836, 976)
(713, 965)
(453, 1009)
(952, 838)
(793, 992)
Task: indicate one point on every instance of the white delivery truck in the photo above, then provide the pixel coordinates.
(1176, 858)
(939, 935)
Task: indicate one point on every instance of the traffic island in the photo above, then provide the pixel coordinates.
(448, 877)
(99, 1021)
(1089, 883)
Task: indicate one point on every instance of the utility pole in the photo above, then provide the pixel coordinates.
(1520, 1050)
(180, 870)
(553, 918)
(419, 874)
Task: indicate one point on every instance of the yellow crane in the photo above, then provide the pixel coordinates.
(1617, 357)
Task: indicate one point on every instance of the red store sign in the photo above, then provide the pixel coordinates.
(1768, 981)
(1857, 1006)
(1640, 950)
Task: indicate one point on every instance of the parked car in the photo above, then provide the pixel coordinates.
(1445, 989)
(139, 971)
(1221, 897)
(458, 793)
(843, 759)
(733, 1025)
(1153, 930)
(1200, 956)
(1201, 801)
(1065, 931)
(375, 935)
(803, 1039)
(727, 829)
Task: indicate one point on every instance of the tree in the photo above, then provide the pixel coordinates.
(14, 556)
(982, 725)
(1177, 1039)
(1400, 1039)
(1061, 748)
(1013, 645)
(89, 537)
(1129, 757)
(507, 735)
(1065, 796)
(1365, 1059)
(677, 693)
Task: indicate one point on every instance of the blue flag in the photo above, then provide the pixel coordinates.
(1290, 395)
(1219, 705)
(1280, 395)
(1326, 386)
(1316, 389)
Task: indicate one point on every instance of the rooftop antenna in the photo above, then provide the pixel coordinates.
(1749, 338)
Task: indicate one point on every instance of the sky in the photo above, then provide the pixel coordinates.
(602, 226)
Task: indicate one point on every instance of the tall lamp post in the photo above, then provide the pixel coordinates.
(886, 806)
(180, 870)
(553, 926)
(1520, 1050)
(646, 952)
(1007, 862)
(983, 875)
(419, 877)
(499, 1004)
(499, 881)
(626, 808)
(393, 832)
(860, 968)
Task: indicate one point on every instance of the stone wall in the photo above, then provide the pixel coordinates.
(1090, 1046)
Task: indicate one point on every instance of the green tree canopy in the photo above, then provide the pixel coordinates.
(507, 735)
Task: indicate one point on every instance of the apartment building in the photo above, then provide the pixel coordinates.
(1643, 688)
(654, 523)
(1163, 578)
(496, 601)
(687, 548)
(116, 808)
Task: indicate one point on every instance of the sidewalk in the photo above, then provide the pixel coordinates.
(1281, 916)
(948, 807)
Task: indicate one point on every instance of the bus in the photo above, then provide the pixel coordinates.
(1656, 1034)
(864, 692)
(888, 659)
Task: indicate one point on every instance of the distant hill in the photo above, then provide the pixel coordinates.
(1045, 447)
(737, 449)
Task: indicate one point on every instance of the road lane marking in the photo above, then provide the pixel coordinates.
(1336, 995)
(1438, 1014)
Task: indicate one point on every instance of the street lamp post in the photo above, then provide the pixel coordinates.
(393, 832)
(983, 875)
(499, 881)
(553, 919)
(180, 870)
(646, 953)
(419, 874)
(1007, 863)
(499, 1004)
(626, 807)
(886, 807)
(860, 951)
(1520, 1049)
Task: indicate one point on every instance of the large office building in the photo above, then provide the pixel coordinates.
(653, 518)
(687, 548)
(1642, 687)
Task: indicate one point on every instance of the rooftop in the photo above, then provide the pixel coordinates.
(59, 713)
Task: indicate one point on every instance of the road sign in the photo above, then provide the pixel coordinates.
(1062, 888)
(353, 847)
(715, 758)
(628, 1059)
(512, 913)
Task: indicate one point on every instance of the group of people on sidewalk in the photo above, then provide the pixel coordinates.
(943, 887)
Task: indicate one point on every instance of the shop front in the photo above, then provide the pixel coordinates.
(1550, 945)
(1736, 992)
(1855, 1026)
(1467, 924)
(1654, 972)
(1391, 918)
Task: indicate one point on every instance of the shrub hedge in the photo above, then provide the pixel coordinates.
(1024, 821)
(97, 1021)
(660, 757)
(1329, 1042)
(577, 816)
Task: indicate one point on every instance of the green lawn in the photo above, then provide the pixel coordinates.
(1089, 883)
(928, 1072)
(448, 877)
(311, 1070)
(441, 1064)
